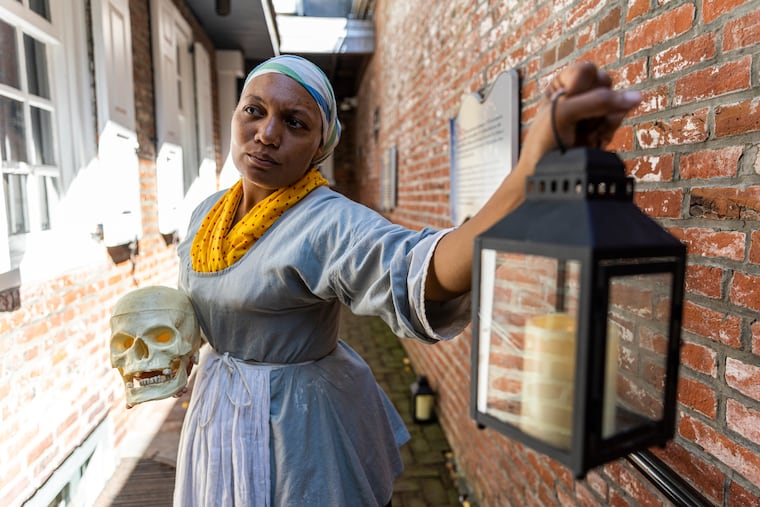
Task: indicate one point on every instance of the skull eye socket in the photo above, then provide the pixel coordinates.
(122, 342)
(164, 337)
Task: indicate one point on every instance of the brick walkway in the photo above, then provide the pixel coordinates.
(426, 482)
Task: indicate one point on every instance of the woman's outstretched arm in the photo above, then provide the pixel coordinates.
(587, 113)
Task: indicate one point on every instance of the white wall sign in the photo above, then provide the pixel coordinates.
(484, 144)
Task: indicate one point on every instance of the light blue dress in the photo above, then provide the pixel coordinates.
(279, 388)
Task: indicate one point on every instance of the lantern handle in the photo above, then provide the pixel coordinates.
(557, 139)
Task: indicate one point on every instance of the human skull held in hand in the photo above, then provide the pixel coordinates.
(154, 336)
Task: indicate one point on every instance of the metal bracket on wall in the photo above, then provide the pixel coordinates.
(678, 491)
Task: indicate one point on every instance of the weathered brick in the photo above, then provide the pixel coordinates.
(603, 54)
(725, 203)
(710, 163)
(712, 324)
(651, 168)
(688, 129)
(743, 32)
(711, 9)
(714, 81)
(631, 484)
(695, 470)
(585, 497)
(699, 358)
(659, 29)
(743, 420)
(754, 250)
(660, 203)
(711, 243)
(737, 118)
(597, 483)
(743, 377)
(742, 460)
(636, 8)
(682, 56)
(739, 495)
(697, 396)
(586, 36)
(630, 74)
(744, 290)
(705, 280)
(610, 21)
(622, 140)
(653, 100)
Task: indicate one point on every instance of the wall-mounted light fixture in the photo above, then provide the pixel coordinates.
(423, 401)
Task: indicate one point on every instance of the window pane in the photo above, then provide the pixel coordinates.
(638, 324)
(48, 199)
(42, 132)
(12, 130)
(16, 204)
(41, 7)
(9, 72)
(526, 350)
(36, 67)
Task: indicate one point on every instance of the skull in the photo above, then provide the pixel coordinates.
(154, 336)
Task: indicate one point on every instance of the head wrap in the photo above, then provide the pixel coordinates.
(316, 83)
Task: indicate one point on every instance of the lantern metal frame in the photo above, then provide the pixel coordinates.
(588, 187)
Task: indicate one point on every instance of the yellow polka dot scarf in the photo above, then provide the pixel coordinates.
(217, 245)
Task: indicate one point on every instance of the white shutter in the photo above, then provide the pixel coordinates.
(165, 72)
(113, 63)
(120, 176)
(204, 104)
(118, 169)
(167, 25)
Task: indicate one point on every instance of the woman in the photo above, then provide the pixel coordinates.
(284, 413)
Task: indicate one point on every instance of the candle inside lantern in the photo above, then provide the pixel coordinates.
(610, 381)
(548, 385)
(548, 378)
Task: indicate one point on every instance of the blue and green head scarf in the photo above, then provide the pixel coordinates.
(316, 83)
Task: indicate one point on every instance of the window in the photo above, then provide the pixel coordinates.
(45, 85)
(30, 173)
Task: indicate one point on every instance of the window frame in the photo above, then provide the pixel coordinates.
(27, 23)
(64, 36)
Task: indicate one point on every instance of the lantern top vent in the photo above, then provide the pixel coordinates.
(580, 174)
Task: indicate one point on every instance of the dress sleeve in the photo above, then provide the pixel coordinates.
(382, 270)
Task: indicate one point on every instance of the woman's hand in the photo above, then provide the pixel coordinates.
(579, 108)
(587, 112)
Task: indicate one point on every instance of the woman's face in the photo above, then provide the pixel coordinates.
(276, 132)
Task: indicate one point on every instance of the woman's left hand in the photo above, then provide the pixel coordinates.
(586, 111)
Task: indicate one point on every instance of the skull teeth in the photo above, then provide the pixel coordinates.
(153, 380)
(136, 379)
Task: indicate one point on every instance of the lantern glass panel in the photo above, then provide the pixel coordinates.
(527, 345)
(638, 317)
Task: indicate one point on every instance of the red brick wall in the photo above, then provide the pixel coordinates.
(57, 383)
(693, 148)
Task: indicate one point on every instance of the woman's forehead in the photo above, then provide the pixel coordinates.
(281, 89)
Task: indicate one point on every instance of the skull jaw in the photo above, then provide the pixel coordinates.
(161, 390)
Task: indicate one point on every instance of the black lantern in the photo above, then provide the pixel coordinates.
(423, 401)
(576, 316)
